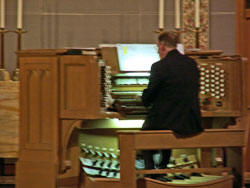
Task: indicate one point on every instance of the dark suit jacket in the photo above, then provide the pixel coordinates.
(172, 95)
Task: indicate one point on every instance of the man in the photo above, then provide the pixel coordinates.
(171, 95)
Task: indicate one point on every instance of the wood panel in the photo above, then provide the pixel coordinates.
(110, 57)
(248, 55)
(87, 182)
(232, 103)
(242, 34)
(80, 86)
(128, 178)
(243, 49)
(36, 174)
(38, 122)
(39, 102)
(69, 150)
(225, 182)
(207, 139)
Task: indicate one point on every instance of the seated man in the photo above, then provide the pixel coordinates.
(172, 95)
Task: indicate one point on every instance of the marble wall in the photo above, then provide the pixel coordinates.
(85, 23)
(9, 118)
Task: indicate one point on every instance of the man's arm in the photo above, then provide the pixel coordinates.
(154, 86)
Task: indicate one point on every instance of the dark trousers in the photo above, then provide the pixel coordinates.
(149, 162)
(148, 154)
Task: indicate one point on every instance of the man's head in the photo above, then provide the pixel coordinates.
(167, 41)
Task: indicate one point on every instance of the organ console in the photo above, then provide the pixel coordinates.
(69, 120)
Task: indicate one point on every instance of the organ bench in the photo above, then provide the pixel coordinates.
(130, 141)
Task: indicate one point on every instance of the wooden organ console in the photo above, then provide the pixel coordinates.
(68, 129)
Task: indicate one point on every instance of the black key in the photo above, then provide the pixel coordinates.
(196, 174)
(184, 176)
(178, 177)
(165, 179)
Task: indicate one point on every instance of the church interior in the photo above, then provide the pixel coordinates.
(70, 72)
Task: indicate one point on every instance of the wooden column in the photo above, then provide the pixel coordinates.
(127, 156)
(243, 49)
(38, 164)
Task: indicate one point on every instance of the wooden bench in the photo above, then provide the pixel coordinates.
(131, 141)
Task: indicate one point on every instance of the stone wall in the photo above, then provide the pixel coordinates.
(87, 23)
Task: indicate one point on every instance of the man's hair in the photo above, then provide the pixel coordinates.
(169, 38)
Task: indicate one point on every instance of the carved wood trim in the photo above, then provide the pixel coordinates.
(67, 127)
(38, 103)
